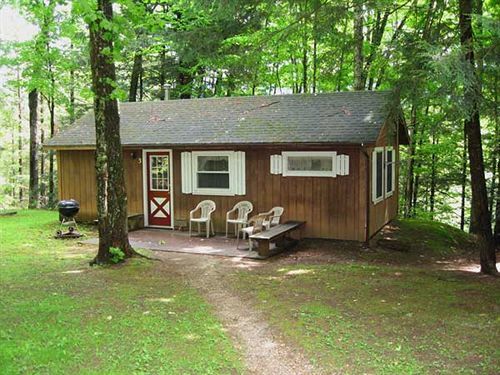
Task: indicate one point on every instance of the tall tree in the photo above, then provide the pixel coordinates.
(111, 194)
(475, 148)
(358, 45)
(33, 187)
(135, 77)
(19, 137)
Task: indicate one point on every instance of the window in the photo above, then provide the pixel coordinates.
(313, 163)
(214, 173)
(159, 169)
(378, 174)
(390, 175)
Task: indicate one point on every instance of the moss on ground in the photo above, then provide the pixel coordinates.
(426, 237)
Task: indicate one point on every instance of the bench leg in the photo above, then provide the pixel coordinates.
(264, 248)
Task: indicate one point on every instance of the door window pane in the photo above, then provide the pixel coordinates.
(159, 172)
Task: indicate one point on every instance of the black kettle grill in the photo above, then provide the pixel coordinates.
(68, 208)
(67, 212)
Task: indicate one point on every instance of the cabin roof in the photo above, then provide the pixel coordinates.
(342, 117)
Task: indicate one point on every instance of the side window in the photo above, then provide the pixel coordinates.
(390, 175)
(378, 174)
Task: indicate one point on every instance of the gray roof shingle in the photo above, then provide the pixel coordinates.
(344, 117)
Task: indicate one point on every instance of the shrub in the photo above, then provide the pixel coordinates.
(117, 255)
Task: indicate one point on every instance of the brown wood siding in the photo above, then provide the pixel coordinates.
(77, 180)
(387, 209)
(334, 208)
(331, 206)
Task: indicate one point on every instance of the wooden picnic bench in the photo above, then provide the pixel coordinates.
(279, 235)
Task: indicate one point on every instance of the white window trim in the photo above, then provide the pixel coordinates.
(332, 173)
(393, 167)
(376, 199)
(208, 191)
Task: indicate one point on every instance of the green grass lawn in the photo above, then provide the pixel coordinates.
(58, 316)
(365, 318)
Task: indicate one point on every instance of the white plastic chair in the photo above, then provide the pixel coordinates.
(206, 207)
(242, 209)
(274, 216)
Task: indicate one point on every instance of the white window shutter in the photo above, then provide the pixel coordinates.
(276, 164)
(186, 173)
(342, 165)
(240, 173)
(346, 164)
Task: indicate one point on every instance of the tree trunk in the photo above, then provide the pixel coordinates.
(72, 96)
(416, 187)
(358, 45)
(42, 153)
(464, 182)
(33, 185)
(476, 162)
(496, 233)
(432, 197)
(12, 170)
(135, 76)
(341, 61)
(315, 49)
(111, 194)
(410, 181)
(52, 119)
(161, 78)
(388, 53)
(305, 64)
(19, 138)
(376, 40)
(497, 211)
(185, 80)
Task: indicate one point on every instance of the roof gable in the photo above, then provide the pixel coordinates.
(343, 117)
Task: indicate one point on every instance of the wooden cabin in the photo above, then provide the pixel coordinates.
(331, 160)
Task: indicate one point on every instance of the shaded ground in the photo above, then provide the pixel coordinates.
(401, 243)
(370, 318)
(59, 316)
(338, 307)
(327, 307)
(416, 306)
